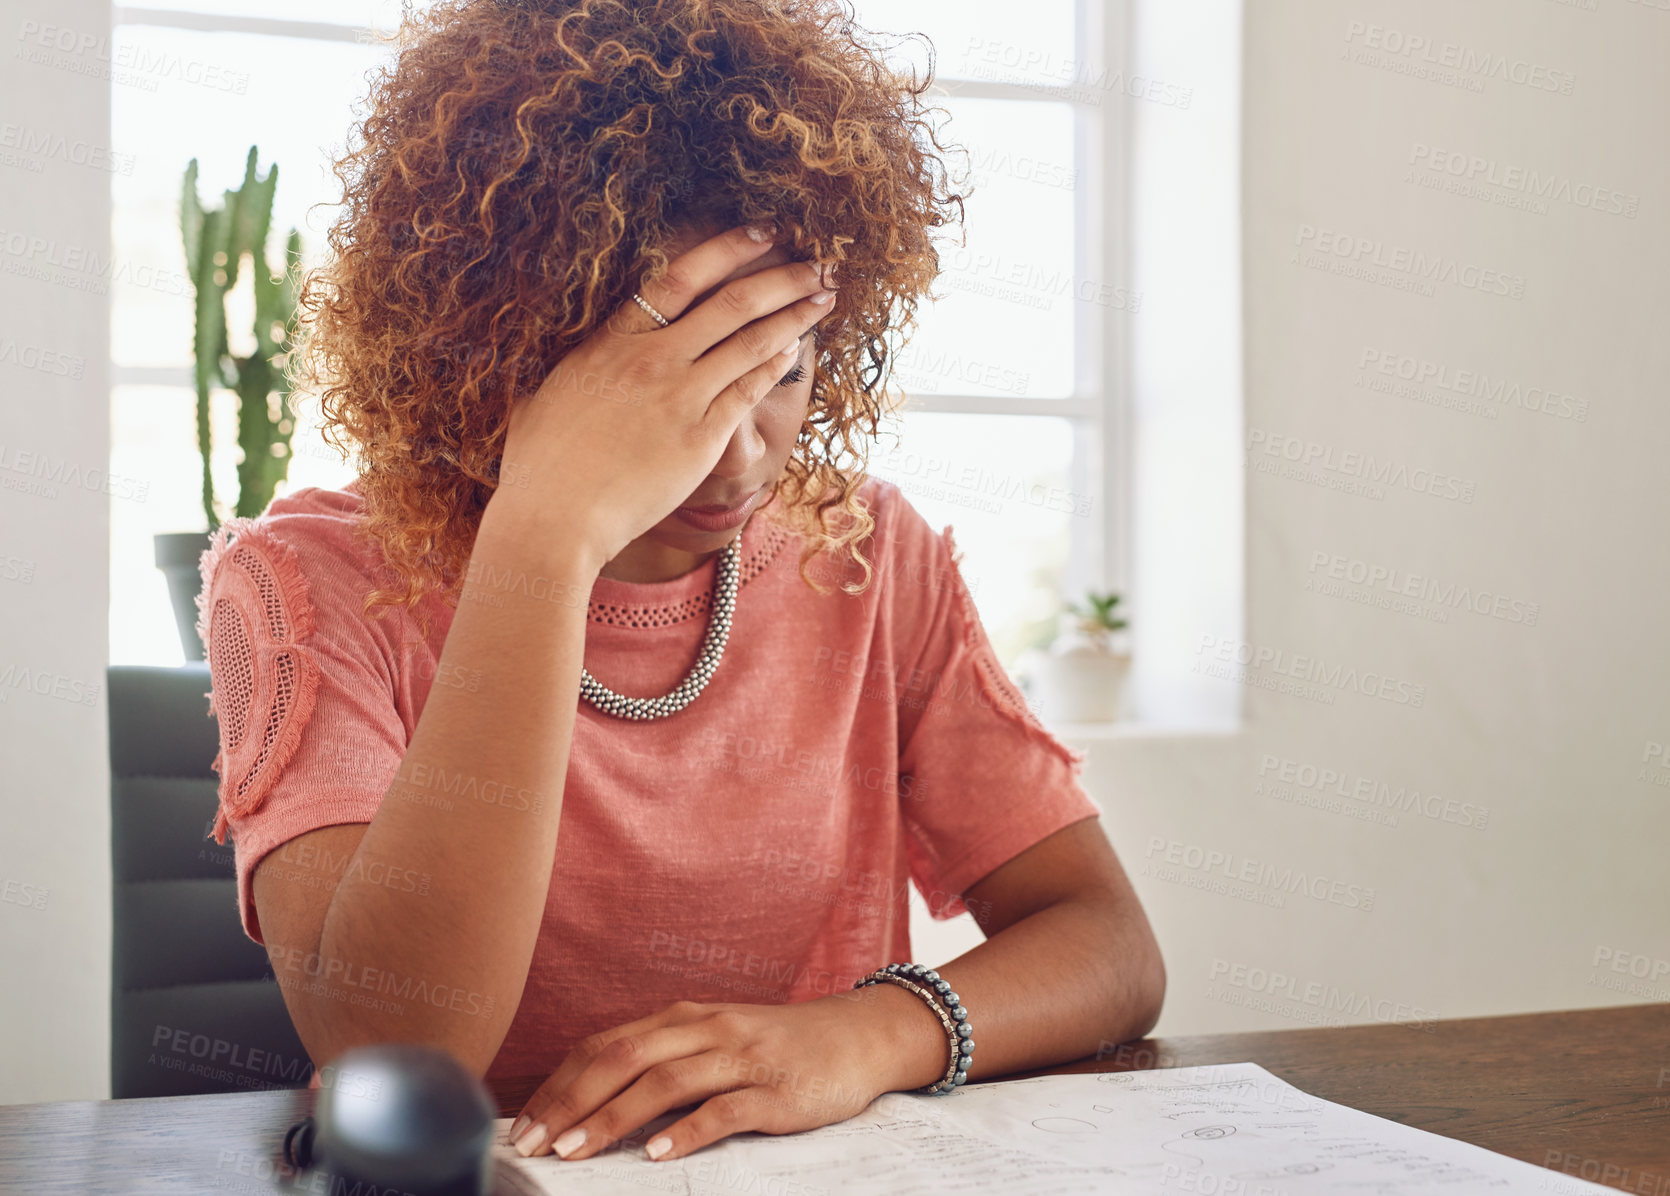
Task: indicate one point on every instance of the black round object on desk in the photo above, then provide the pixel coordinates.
(400, 1118)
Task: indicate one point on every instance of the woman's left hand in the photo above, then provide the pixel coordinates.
(772, 1068)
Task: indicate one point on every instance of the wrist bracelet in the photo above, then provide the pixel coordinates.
(959, 1033)
(948, 1080)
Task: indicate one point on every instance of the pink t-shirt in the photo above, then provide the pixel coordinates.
(754, 847)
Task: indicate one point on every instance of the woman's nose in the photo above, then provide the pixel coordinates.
(742, 452)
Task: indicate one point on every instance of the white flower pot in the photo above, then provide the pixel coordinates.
(1080, 681)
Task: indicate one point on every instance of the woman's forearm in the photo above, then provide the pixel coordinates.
(474, 807)
(1062, 983)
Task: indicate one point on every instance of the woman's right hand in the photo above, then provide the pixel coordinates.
(629, 424)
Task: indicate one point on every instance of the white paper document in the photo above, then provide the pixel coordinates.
(1224, 1130)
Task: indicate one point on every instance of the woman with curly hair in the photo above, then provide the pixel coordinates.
(596, 731)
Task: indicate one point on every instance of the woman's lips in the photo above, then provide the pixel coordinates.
(719, 519)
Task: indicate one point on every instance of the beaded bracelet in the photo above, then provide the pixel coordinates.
(959, 1033)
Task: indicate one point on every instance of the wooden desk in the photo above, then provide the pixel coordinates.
(1586, 1093)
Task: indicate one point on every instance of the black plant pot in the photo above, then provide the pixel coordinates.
(178, 554)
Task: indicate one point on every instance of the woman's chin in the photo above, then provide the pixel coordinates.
(673, 532)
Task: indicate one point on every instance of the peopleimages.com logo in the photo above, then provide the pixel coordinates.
(1420, 265)
(1415, 53)
(1278, 774)
(1312, 670)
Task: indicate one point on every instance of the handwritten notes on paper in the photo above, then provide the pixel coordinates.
(1226, 1130)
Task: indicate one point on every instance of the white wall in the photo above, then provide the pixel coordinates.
(54, 554)
(1544, 725)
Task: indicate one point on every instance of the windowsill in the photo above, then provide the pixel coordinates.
(1133, 729)
(1192, 715)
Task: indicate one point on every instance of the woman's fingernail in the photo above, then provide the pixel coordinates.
(531, 1140)
(659, 1147)
(822, 297)
(758, 232)
(521, 1124)
(569, 1142)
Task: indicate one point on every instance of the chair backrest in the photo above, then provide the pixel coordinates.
(193, 1005)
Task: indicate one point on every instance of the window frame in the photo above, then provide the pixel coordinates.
(1098, 410)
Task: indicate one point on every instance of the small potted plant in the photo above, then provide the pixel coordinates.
(1081, 677)
(217, 240)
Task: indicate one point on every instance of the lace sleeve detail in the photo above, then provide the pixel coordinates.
(253, 613)
(995, 685)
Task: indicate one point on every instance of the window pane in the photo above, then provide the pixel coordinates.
(160, 121)
(1001, 482)
(381, 14)
(1003, 327)
(153, 450)
(1003, 324)
(153, 438)
(313, 461)
(973, 39)
(984, 39)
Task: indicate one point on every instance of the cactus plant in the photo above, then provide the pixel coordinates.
(216, 242)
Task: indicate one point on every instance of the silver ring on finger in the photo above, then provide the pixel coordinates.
(653, 314)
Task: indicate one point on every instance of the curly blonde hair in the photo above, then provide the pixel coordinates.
(519, 170)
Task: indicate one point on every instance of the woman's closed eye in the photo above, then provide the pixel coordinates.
(793, 376)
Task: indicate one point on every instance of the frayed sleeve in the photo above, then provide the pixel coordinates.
(253, 614)
(987, 779)
(301, 687)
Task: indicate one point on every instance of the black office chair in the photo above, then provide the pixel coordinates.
(193, 1004)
